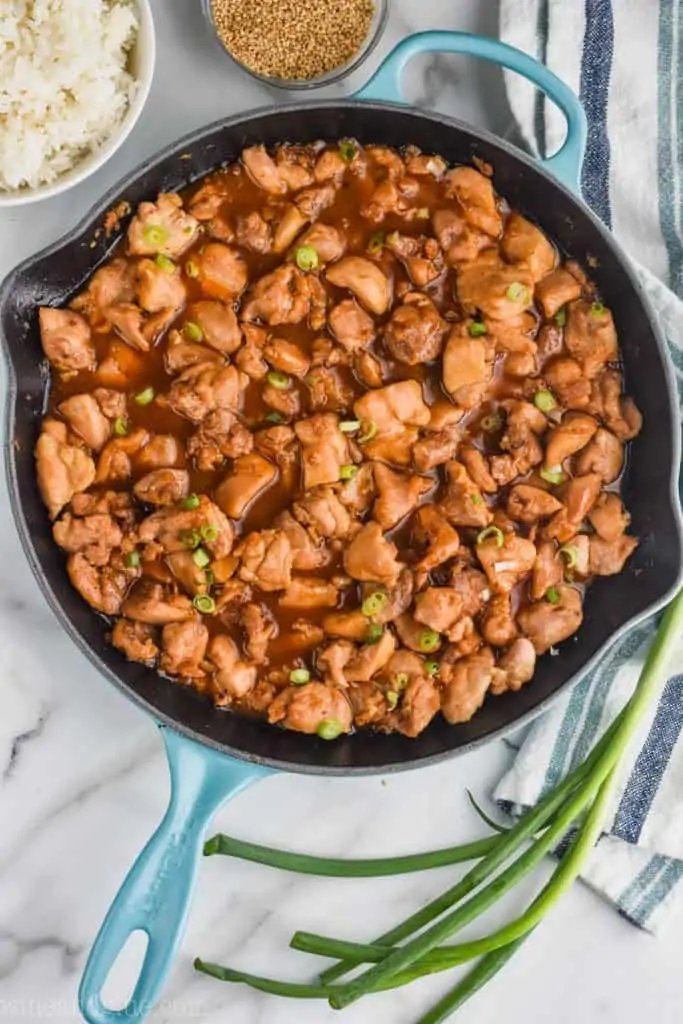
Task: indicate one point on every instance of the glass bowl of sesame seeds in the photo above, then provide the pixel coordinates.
(293, 45)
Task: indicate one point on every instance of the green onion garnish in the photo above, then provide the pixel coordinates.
(347, 150)
(422, 213)
(209, 533)
(329, 729)
(570, 553)
(491, 423)
(429, 640)
(544, 400)
(432, 668)
(299, 676)
(552, 595)
(201, 558)
(392, 699)
(376, 242)
(306, 257)
(190, 538)
(518, 292)
(552, 476)
(401, 680)
(191, 269)
(155, 234)
(279, 380)
(491, 531)
(561, 317)
(133, 559)
(164, 263)
(348, 472)
(476, 329)
(374, 603)
(374, 633)
(274, 417)
(369, 431)
(191, 502)
(193, 331)
(597, 309)
(120, 426)
(204, 603)
(145, 397)
(476, 499)
(349, 426)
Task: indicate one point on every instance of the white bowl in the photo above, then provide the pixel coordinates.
(141, 66)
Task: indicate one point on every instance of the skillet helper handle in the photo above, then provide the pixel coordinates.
(385, 85)
(155, 896)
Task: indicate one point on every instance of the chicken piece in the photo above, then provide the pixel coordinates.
(368, 370)
(233, 677)
(266, 559)
(285, 401)
(161, 228)
(507, 564)
(286, 296)
(555, 290)
(111, 285)
(103, 587)
(328, 241)
(353, 328)
(349, 625)
(120, 366)
(604, 456)
(66, 340)
(457, 238)
(249, 357)
(189, 575)
(159, 288)
(219, 436)
(477, 198)
(136, 640)
(391, 197)
(85, 418)
(567, 380)
(411, 632)
(528, 504)
(499, 291)
(358, 493)
(181, 354)
(277, 443)
(463, 503)
(497, 624)
(609, 518)
(258, 629)
(515, 668)
(94, 535)
(523, 243)
(433, 530)
(415, 333)
(263, 170)
(136, 329)
(397, 495)
(328, 391)
(393, 410)
(439, 608)
(473, 587)
(218, 324)
(329, 166)
(115, 461)
(183, 647)
(546, 624)
(222, 272)
(204, 388)
(286, 356)
(608, 557)
(421, 164)
(573, 433)
(149, 602)
(371, 557)
(312, 201)
(365, 280)
(160, 451)
(476, 465)
(63, 469)
(620, 413)
(305, 708)
(323, 514)
(580, 494)
(419, 702)
(371, 659)
(249, 477)
(436, 448)
(290, 224)
(332, 661)
(306, 553)
(398, 597)
(163, 486)
(465, 369)
(465, 685)
(421, 256)
(306, 592)
(170, 528)
(324, 449)
(254, 233)
(590, 336)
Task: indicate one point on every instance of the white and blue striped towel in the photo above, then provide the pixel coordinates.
(625, 60)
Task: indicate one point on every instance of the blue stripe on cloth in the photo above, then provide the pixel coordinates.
(596, 68)
(633, 894)
(651, 763)
(565, 736)
(658, 890)
(668, 126)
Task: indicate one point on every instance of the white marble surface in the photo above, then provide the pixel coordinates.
(83, 776)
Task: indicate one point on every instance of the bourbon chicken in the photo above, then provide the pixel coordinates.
(335, 438)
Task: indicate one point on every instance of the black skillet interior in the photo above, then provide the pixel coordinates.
(650, 492)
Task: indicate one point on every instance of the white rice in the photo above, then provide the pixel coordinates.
(63, 83)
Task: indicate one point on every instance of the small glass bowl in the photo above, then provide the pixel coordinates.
(375, 31)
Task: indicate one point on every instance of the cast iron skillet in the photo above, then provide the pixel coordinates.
(203, 744)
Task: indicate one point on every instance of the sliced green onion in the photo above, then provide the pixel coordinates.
(279, 380)
(190, 538)
(155, 234)
(299, 676)
(476, 329)
(491, 531)
(209, 578)
(429, 640)
(329, 729)
(133, 559)
(120, 426)
(145, 397)
(347, 150)
(392, 699)
(201, 558)
(432, 668)
(274, 417)
(376, 243)
(204, 603)
(552, 476)
(349, 426)
(209, 533)
(570, 553)
(544, 400)
(164, 263)
(476, 499)
(402, 680)
(492, 423)
(422, 213)
(348, 472)
(191, 269)
(597, 309)
(306, 257)
(369, 431)
(561, 317)
(374, 603)
(518, 292)
(191, 502)
(374, 633)
(193, 331)
(552, 595)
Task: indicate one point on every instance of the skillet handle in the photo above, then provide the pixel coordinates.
(385, 85)
(155, 896)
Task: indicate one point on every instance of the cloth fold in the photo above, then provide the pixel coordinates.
(625, 61)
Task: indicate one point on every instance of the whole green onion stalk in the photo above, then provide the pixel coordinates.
(418, 945)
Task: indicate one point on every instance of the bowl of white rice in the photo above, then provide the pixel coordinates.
(74, 77)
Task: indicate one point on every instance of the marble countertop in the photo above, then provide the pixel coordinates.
(83, 778)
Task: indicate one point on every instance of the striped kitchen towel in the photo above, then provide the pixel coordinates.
(625, 60)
